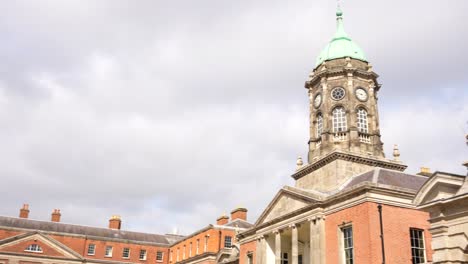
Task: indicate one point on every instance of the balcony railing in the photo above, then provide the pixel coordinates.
(339, 136)
(364, 138)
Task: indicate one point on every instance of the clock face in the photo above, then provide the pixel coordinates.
(361, 94)
(317, 100)
(338, 93)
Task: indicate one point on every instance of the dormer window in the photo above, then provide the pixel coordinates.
(34, 248)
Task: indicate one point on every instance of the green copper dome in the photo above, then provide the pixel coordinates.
(341, 46)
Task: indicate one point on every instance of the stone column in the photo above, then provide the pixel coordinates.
(312, 242)
(320, 227)
(258, 251)
(295, 246)
(264, 251)
(277, 247)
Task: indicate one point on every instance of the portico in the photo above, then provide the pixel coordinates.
(294, 243)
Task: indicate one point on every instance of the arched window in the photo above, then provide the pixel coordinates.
(362, 125)
(34, 248)
(319, 125)
(339, 119)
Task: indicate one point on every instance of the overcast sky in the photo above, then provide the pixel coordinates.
(170, 113)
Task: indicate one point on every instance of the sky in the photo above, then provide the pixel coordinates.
(171, 113)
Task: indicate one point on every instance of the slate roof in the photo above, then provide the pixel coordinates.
(389, 178)
(240, 224)
(108, 233)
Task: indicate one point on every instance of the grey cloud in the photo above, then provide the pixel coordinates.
(170, 113)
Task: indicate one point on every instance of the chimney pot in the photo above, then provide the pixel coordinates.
(239, 213)
(425, 172)
(222, 220)
(115, 222)
(24, 211)
(55, 217)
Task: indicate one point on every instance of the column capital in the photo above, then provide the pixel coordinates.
(294, 225)
(278, 231)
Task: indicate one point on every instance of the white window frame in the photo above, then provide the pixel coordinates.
(205, 247)
(183, 252)
(177, 256)
(339, 120)
(319, 125)
(128, 253)
(160, 256)
(249, 257)
(197, 249)
(108, 252)
(344, 247)
(227, 241)
(422, 241)
(362, 121)
(284, 258)
(144, 254)
(34, 248)
(190, 250)
(91, 249)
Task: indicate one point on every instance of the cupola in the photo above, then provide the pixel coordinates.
(341, 45)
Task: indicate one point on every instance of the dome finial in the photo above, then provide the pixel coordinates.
(339, 13)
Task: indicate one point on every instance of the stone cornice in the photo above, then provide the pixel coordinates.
(374, 162)
(316, 78)
(198, 257)
(340, 198)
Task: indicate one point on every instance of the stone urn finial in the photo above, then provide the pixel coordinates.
(299, 163)
(396, 153)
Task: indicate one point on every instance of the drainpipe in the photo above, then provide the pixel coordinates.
(379, 207)
(219, 241)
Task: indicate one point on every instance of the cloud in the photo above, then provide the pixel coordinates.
(173, 113)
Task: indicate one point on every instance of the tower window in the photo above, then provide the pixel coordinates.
(339, 119)
(418, 251)
(319, 125)
(362, 124)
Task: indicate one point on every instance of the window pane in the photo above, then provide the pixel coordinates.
(417, 246)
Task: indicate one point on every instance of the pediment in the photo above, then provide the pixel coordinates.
(44, 246)
(285, 202)
(439, 186)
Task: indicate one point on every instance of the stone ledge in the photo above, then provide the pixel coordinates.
(339, 155)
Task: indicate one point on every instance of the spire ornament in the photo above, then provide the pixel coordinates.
(299, 163)
(396, 153)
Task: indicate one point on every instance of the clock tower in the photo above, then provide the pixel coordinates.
(345, 135)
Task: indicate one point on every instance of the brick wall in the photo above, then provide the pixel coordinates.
(364, 219)
(215, 243)
(245, 249)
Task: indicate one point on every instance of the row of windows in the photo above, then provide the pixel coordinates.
(227, 244)
(418, 251)
(339, 121)
(125, 252)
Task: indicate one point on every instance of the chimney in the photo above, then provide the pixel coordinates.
(115, 222)
(222, 220)
(24, 212)
(239, 213)
(55, 217)
(425, 172)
